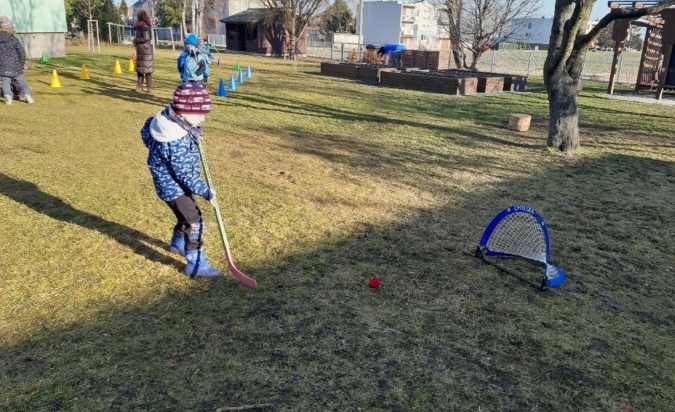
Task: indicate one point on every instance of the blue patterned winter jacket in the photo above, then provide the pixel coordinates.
(173, 159)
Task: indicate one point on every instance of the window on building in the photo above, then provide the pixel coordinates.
(529, 26)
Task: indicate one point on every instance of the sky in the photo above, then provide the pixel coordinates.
(599, 9)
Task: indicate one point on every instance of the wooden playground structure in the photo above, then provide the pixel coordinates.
(657, 64)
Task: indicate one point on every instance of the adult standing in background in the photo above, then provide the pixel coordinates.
(144, 52)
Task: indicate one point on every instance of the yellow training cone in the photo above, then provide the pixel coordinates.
(55, 79)
(131, 66)
(84, 74)
(118, 68)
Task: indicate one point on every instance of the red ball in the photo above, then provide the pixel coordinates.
(374, 282)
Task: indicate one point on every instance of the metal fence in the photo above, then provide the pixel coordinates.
(217, 40)
(335, 51)
(597, 65)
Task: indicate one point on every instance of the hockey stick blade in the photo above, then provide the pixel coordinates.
(241, 277)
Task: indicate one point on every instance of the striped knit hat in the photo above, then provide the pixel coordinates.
(191, 98)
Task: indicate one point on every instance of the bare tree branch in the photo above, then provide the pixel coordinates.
(293, 16)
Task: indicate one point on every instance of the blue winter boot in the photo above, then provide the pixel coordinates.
(177, 244)
(198, 266)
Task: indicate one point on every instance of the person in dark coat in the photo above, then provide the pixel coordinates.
(144, 52)
(12, 62)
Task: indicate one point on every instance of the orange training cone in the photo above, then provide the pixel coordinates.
(133, 56)
(118, 68)
(131, 66)
(55, 80)
(84, 74)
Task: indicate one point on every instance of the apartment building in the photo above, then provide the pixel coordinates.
(412, 24)
(535, 32)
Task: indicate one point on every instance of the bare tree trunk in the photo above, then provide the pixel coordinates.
(563, 91)
(565, 57)
(184, 21)
(194, 12)
(198, 20)
(474, 60)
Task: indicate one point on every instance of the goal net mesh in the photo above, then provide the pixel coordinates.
(519, 234)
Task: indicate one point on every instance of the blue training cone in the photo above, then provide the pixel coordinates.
(248, 72)
(233, 84)
(221, 89)
(240, 77)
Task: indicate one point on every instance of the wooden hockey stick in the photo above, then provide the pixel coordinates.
(245, 280)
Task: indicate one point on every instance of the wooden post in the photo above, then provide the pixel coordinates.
(619, 35)
(667, 52)
(668, 39)
(645, 49)
(173, 45)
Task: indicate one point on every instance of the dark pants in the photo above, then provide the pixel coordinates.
(190, 224)
(139, 80)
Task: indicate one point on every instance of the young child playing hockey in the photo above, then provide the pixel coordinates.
(171, 138)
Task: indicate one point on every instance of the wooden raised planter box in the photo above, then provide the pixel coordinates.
(420, 59)
(407, 58)
(513, 83)
(373, 73)
(429, 83)
(490, 84)
(438, 60)
(347, 71)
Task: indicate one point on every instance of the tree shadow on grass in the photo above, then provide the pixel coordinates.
(115, 91)
(28, 194)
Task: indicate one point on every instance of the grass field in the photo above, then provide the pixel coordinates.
(324, 183)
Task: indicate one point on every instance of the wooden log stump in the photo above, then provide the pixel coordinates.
(520, 122)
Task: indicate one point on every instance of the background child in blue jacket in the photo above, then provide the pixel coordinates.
(171, 138)
(192, 63)
(205, 49)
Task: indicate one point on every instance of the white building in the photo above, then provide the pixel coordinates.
(138, 6)
(223, 9)
(536, 32)
(413, 24)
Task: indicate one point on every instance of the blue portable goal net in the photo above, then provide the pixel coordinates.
(520, 232)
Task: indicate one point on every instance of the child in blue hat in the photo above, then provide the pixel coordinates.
(192, 63)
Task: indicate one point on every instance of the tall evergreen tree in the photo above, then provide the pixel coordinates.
(107, 13)
(124, 9)
(338, 18)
